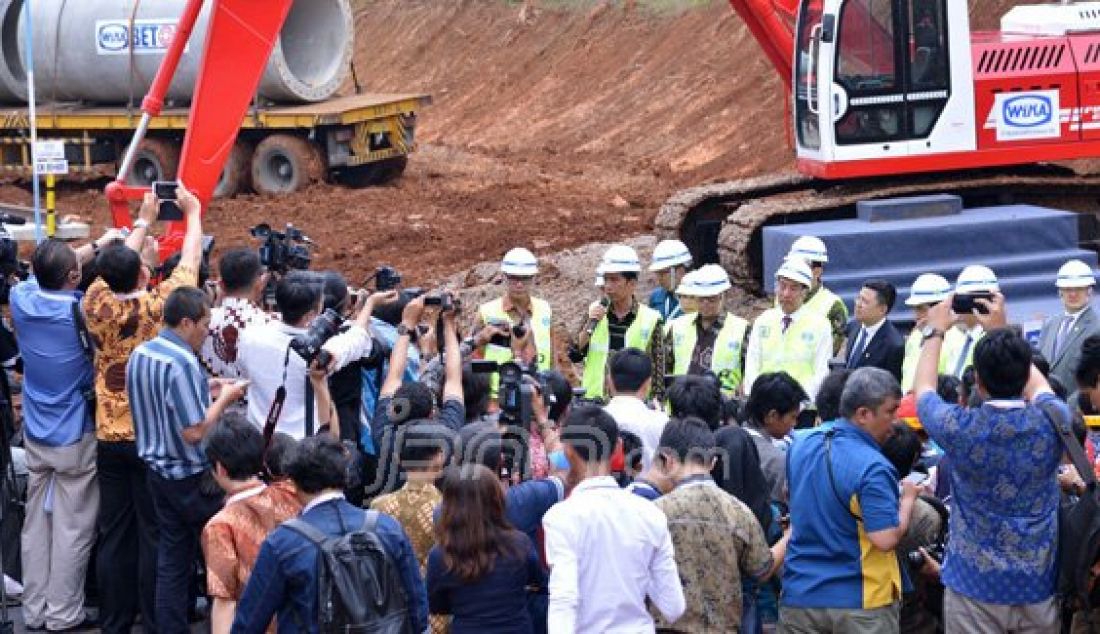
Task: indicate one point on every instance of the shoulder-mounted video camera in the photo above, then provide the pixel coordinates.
(283, 251)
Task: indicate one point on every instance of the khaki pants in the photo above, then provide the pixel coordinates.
(1080, 625)
(59, 530)
(882, 620)
(963, 615)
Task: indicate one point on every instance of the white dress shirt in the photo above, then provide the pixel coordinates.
(608, 550)
(220, 353)
(632, 415)
(262, 351)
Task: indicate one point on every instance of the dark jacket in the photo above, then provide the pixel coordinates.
(737, 472)
(284, 580)
(885, 350)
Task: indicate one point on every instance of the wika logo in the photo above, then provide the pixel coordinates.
(1027, 111)
(114, 37)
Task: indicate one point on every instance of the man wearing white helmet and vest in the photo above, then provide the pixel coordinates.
(959, 342)
(670, 261)
(686, 295)
(710, 339)
(522, 319)
(819, 299)
(620, 322)
(790, 338)
(1061, 336)
(927, 290)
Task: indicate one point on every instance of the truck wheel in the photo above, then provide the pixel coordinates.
(377, 173)
(236, 176)
(155, 160)
(283, 164)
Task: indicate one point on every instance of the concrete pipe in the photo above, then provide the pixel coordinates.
(13, 81)
(108, 51)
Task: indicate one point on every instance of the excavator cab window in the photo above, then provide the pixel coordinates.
(806, 73)
(891, 62)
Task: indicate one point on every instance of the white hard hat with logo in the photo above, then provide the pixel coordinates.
(1075, 274)
(519, 262)
(928, 288)
(620, 259)
(977, 279)
(797, 270)
(669, 253)
(810, 249)
(687, 285)
(711, 280)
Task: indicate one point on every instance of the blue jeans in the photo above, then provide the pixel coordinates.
(181, 510)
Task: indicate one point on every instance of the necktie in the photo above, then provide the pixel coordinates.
(786, 323)
(857, 350)
(960, 365)
(1060, 338)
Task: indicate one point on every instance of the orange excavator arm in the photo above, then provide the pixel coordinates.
(241, 36)
(771, 22)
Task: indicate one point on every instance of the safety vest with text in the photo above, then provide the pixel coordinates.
(638, 336)
(725, 361)
(794, 351)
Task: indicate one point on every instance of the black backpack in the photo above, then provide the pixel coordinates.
(1078, 524)
(359, 588)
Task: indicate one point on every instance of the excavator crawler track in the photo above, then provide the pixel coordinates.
(723, 222)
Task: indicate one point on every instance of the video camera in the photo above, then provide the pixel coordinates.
(516, 413)
(387, 278)
(321, 329)
(282, 251)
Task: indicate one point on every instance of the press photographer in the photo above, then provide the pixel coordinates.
(280, 252)
(275, 356)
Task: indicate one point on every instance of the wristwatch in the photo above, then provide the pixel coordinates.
(141, 223)
(930, 332)
(405, 331)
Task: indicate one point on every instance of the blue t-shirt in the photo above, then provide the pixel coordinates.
(665, 303)
(830, 561)
(56, 371)
(1004, 517)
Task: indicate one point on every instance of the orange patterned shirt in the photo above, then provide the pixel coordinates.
(231, 539)
(119, 324)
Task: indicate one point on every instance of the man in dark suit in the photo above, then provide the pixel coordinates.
(872, 340)
(1061, 336)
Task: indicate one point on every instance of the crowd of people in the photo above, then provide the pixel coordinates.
(336, 459)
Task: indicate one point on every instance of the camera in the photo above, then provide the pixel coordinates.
(386, 278)
(935, 551)
(321, 329)
(282, 251)
(514, 398)
(966, 304)
(444, 300)
(11, 267)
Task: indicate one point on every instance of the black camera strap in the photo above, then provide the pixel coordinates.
(309, 407)
(82, 333)
(832, 479)
(276, 410)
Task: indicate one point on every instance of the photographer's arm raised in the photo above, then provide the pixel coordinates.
(399, 357)
(148, 215)
(452, 384)
(191, 252)
(87, 252)
(326, 409)
(355, 343)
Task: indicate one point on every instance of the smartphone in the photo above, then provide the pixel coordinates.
(916, 478)
(966, 304)
(165, 191)
(433, 300)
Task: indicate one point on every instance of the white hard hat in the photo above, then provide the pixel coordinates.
(620, 259)
(977, 279)
(797, 270)
(687, 285)
(711, 280)
(1075, 274)
(810, 249)
(519, 262)
(928, 288)
(669, 253)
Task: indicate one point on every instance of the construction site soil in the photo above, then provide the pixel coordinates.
(566, 130)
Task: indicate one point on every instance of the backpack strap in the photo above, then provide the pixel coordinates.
(1065, 433)
(832, 479)
(370, 521)
(307, 530)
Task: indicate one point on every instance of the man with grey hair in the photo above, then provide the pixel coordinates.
(841, 573)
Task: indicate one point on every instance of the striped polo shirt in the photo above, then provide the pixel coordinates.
(168, 391)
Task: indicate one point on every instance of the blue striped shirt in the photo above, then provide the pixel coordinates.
(168, 392)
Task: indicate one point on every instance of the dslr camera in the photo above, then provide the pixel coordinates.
(282, 251)
(514, 398)
(11, 267)
(321, 329)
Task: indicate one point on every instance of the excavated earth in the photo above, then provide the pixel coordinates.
(568, 130)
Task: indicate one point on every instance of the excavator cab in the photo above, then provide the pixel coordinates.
(873, 79)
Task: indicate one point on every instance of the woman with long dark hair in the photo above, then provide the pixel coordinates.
(481, 569)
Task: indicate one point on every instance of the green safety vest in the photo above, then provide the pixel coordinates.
(726, 360)
(912, 355)
(541, 318)
(599, 347)
(953, 343)
(794, 351)
(823, 301)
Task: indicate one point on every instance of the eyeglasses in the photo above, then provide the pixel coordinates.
(520, 278)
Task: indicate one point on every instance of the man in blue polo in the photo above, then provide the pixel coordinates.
(841, 573)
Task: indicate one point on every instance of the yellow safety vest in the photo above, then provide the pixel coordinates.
(823, 301)
(953, 343)
(726, 360)
(599, 347)
(794, 351)
(912, 355)
(541, 319)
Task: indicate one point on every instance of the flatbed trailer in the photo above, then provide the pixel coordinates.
(357, 140)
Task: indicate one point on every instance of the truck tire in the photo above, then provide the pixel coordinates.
(155, 160)
(283, 164)
(377, 173)
(236, 176)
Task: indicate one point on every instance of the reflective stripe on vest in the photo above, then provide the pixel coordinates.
(795, 351)
(725, 362)
(599, 347)
(541, 319)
